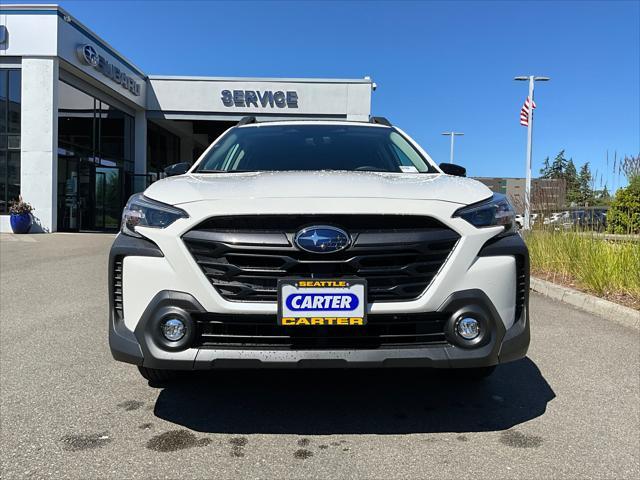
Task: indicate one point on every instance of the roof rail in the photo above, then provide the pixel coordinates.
(246, 121)
(381, 121)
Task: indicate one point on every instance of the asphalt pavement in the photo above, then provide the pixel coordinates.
(571, 409)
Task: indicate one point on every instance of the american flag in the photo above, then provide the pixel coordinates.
(525, 112)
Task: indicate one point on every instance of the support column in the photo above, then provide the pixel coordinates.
(39, 140)
(140, 142)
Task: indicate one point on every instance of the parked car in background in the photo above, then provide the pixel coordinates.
(594, 218)
(554, 218)
(520, 220)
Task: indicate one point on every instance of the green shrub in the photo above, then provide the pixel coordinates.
(624, 214)
(591, 262)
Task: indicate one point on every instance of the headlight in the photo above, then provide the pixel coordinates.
(144, 212)
(493, 212)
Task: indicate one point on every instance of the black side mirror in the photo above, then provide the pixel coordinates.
(177, 169)
(453, 169)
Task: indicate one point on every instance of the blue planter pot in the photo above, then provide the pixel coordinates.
(20, 223)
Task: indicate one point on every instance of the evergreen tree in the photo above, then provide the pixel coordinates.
(545, 171)
(601, 198)
(571, 179)
(558, 166)
(584, 186)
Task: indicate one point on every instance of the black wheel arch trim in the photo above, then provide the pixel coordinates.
(124, 345)
(518, 337)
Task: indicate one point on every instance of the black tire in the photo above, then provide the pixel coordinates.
(155, 375)
(474, 374)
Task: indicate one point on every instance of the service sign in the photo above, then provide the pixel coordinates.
(322, 302)
(259, 98)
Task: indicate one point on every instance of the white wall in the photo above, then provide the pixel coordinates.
(30, 35)
(39, 140)
(359, 101)
(70, 38)
(315, 97)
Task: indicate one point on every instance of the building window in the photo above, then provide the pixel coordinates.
(9, 137)
(95, 161)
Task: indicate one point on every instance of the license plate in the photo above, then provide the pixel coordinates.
(322, 302)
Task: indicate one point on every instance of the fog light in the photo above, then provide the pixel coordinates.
(468, 328)
(173, 329)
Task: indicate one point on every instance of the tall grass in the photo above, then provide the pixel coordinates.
(606, 268)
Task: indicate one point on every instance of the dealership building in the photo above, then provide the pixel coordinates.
(82, 128)
(546, 193)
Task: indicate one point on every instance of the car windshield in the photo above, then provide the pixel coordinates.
(313, 147)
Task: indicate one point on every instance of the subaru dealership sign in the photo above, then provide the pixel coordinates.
(88, 55)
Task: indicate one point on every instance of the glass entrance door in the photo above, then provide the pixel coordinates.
(108, 198)
(86, 195)
(89, 197)
(68, 211)
(99, 197)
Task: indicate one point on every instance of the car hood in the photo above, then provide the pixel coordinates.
(221, 186)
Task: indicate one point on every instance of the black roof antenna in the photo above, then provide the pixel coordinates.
(381, 121)
(246, 121)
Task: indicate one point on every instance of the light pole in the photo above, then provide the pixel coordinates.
(452, 134)
(527, 188)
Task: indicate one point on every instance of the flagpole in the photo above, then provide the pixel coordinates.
(451, 134)
(451, 151)
(527, 188)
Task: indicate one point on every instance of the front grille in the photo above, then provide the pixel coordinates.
(117, 288)
(261, 331)
(398, 255)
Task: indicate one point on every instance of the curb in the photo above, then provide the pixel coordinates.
(598, 306)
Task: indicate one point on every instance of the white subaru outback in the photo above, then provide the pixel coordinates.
(317, 244)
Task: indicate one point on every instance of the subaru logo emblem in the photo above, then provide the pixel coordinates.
(88, 55)
(322, 239)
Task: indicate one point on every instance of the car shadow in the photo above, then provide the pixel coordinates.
(318, 402)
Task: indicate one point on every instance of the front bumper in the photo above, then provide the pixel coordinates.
(142, 346)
